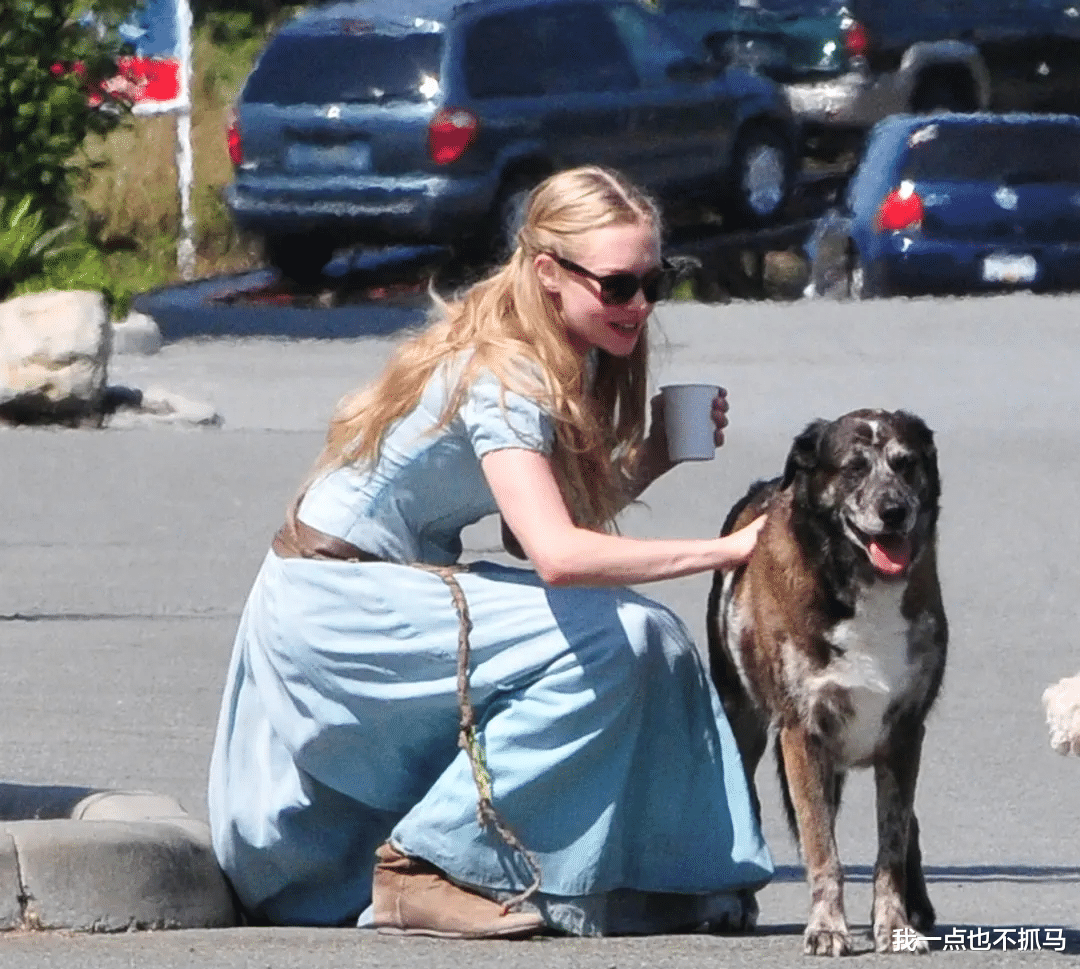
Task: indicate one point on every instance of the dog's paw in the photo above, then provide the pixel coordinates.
(902, 941)
(893, 933)
(921, 914)
(827, 935)
(827, 943)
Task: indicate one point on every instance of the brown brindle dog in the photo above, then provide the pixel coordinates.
(834, 636)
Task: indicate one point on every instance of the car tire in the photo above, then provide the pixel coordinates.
(761, 176)
(859, 284)
(299, 258)
(937, 95)
(495, 239)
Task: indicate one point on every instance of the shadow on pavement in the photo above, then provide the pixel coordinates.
(1064, 874)
(251, 305)
(40, 802)
(368, 293)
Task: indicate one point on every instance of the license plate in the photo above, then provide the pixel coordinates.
(354, 156)
(1010, 269)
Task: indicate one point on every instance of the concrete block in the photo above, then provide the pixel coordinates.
(10, 889)
(136, 333)
(110, 876)
(127, 806)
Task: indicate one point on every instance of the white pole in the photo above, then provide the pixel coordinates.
(185, 245)
(185, 157)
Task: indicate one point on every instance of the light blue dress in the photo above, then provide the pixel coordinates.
(608, 749)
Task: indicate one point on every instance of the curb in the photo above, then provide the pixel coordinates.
(89, 860)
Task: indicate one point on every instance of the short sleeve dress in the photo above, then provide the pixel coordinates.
(608, 750)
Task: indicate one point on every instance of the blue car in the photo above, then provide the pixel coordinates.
(427, 122)
(956, 203)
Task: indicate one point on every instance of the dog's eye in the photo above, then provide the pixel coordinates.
(857, 464)
(903, 463)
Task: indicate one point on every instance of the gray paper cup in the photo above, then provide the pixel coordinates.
(688, 421)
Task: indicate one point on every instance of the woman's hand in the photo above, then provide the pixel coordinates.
(742, 542)
(719, 416)
(655, 459)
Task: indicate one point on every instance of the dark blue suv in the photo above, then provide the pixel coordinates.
(428, 121)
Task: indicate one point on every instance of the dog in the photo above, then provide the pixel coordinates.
(833, 636)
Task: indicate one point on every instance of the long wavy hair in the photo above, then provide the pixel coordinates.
(509, 324)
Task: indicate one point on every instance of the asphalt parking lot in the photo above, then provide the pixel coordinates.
(126, 556)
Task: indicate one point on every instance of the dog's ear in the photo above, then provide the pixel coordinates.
(803, 455)
(917, 427)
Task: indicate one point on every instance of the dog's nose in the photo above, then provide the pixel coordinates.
(893, 514)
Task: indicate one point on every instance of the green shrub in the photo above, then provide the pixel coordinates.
(26, 242)
(52, 64)
(107, 178)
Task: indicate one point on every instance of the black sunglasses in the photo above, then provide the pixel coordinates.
(618, 289)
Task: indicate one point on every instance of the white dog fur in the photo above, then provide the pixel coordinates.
(1062, 703)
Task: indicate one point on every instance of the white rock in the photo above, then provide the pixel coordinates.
(169, 406)
(136, 333)
(54, 350)
(159, 406)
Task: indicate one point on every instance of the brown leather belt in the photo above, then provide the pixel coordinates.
(295, 540)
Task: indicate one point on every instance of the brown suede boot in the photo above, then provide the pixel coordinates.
(413, 897)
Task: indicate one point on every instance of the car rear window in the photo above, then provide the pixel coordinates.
(717, 6)
(349, 69)
(1004, 153)
(555, 48)
(793, 9)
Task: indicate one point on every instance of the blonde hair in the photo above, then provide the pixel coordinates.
(513, 329)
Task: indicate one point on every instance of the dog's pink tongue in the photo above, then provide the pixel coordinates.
(892, 557)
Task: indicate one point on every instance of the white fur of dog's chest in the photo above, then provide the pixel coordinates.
(872, 666)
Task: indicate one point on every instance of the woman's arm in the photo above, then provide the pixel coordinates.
(532, 507)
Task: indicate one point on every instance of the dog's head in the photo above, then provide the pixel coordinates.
(871, 477)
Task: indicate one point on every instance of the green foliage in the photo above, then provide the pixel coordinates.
(260, 11)
(129, 273)
(113, 227)
(34, 258)
(25, 241)
(50, 64)
(76, 265)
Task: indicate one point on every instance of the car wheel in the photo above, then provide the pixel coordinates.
(936, 94)
(859, 286)
(761, 176)
(856, 280)
(300, 258)
(495, 239)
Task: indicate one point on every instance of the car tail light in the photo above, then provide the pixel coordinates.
(902, 209)
(232, 140)
(451, 131)
(855, 39)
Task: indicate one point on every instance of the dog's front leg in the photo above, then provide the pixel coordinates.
(810, 782)
(895, 773)
(920, 910)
